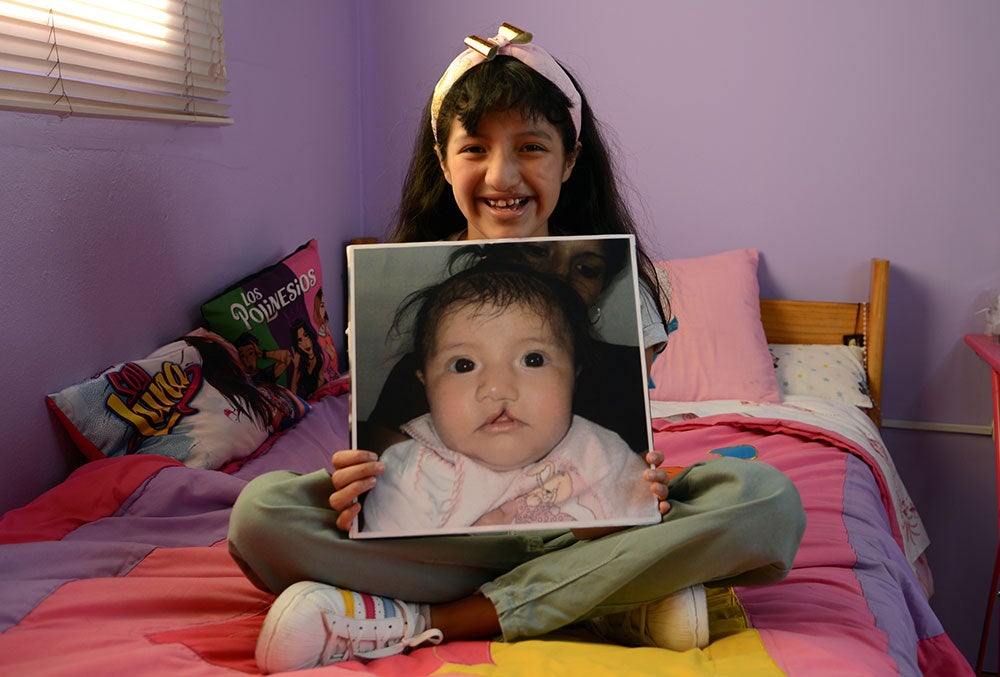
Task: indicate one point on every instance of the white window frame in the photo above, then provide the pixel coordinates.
(136, 59)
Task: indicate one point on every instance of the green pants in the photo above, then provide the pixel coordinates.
(731, 522)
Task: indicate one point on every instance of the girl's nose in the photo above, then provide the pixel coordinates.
(503, 173)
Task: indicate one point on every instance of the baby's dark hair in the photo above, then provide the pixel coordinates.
(495, 286)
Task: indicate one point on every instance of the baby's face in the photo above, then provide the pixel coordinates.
(500, 386)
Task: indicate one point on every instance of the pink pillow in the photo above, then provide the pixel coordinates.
(719, 351)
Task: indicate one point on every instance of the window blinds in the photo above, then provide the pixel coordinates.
(149, 59)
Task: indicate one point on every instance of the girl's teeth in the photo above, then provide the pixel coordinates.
(503, 204)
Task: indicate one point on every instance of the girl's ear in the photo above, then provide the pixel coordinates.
(570, 162)
(444, 166)
(420, 376)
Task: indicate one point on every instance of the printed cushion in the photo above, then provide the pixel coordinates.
(164, 404)
(833, 372)
(718, 350)
(278, 322)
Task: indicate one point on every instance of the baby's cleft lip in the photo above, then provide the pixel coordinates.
(503, 416)
(501, 422)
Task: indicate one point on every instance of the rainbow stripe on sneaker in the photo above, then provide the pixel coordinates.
(361, 605)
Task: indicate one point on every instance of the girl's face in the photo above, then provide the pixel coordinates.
(507, 177)
(500, 385)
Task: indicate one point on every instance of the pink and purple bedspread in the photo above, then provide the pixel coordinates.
(123, 569)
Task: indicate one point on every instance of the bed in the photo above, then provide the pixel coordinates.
(123, 568)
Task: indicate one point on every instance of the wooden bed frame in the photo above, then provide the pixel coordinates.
(827, 322)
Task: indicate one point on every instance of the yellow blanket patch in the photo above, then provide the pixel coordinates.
(741, 654)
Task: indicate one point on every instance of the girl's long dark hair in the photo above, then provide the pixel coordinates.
(226, 375)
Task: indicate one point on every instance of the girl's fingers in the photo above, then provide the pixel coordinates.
(345, 497)
(654, 457)
(348, 457)
(356, 473)
(347, 516)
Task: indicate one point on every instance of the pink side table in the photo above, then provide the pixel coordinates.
(989, 351)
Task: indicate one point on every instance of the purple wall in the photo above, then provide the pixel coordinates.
(114, 232)
(821, 133)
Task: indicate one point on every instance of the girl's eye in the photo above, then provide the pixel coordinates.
(462, 365)
(533, 360)
(532, 147)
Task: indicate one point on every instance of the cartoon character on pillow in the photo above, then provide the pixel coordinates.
(251, 355)
(321, 321)
(307, 360)
(271, 405)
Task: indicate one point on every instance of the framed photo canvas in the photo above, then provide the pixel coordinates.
(503, 384)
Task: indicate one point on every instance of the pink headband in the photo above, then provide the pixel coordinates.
(511, 41)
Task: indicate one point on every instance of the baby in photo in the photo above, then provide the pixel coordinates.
(500, 348)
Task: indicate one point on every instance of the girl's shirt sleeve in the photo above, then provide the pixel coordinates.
(654, 333)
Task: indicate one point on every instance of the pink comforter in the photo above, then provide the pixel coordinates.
(123, 569)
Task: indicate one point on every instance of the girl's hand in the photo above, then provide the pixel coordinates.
(657, 478)
(354, 472)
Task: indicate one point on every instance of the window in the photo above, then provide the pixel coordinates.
(145, 59)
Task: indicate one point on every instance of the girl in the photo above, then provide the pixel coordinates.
(511, 150)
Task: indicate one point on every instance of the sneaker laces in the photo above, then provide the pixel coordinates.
(348, 638)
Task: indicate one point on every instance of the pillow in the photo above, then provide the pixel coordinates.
(833, 372)
(718, 351)
(278, 322)
(164, 404)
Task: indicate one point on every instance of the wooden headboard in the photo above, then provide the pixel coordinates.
(832, 323)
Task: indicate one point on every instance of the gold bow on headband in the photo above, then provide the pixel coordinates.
(506, 34)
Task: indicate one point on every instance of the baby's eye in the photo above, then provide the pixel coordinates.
(533, 360)
(463, 365)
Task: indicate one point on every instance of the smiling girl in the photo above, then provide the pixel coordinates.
(511, 150)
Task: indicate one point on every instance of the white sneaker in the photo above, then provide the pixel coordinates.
(312, 624)
(678, 622)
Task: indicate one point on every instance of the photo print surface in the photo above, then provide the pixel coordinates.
(502, 384)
